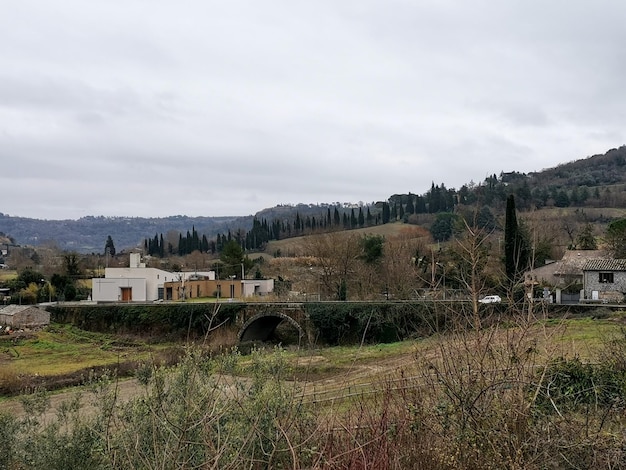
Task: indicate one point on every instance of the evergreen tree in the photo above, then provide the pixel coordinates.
(485, 219)
(510, 238)
(232, 257)
(109, 247)
(386, 213)
(616, 238)
(561, 199)
(516, 246)
(586, 240)
(336, 218)
(583, 194)
(153, 246)
(181, 245)
(195, 240)
(410, 207)
(443, 226)
(420, 205)
(372, 246)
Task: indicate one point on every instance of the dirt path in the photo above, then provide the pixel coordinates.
(125, 389)
(359, 375)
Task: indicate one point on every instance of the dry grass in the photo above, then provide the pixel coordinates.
(460, 400)
(63, 353)
(292, 247)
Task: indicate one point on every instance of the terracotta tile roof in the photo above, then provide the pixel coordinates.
(605, 265)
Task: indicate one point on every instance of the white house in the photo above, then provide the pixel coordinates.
(137, 283)
(256, 287)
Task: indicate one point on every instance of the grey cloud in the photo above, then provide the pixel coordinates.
(226, 108)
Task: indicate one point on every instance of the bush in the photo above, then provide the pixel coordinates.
(476, 400)
(339, 323)
(571, 384)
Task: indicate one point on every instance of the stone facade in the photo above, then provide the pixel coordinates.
(24, 316)
(605, 280)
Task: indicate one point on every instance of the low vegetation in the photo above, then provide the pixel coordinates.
(523, 392)
(61, 356)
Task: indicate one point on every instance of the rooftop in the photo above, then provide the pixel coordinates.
(605, 265)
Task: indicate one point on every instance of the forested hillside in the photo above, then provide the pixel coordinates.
(597, 181)
(89, 234)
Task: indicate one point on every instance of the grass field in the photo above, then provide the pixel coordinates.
(431, 402)
(64, 353)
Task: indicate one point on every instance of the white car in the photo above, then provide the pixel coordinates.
(491, 299)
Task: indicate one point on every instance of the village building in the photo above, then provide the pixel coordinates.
(24, 316)
(138, 283)
(564, 277)
(604, 280)
(218, 288)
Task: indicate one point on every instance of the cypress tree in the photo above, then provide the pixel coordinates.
(516, 250)
(410, 208)
(109, 247)
(386, 213)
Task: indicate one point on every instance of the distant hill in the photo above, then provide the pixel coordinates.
(596, 181)
(597, 170)
(89, 234)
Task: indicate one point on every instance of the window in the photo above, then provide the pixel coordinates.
(606, 278)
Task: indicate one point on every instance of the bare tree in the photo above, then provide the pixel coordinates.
(337, 255)
(398, 269)
(472, 249)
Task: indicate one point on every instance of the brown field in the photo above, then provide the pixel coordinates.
(331, 373)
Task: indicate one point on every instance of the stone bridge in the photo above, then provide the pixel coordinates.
(257, 321)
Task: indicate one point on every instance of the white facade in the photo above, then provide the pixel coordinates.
(254, 287)
(192, 275)
(116, 290)
(140, 284)
(133, 284)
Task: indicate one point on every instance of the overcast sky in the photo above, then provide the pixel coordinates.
(153, 108)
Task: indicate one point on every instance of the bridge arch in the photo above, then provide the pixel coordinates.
(261, 326)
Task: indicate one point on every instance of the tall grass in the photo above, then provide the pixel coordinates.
(484, 397)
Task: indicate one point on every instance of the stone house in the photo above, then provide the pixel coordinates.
(563, 275)
(604, 280)
(24, 316)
